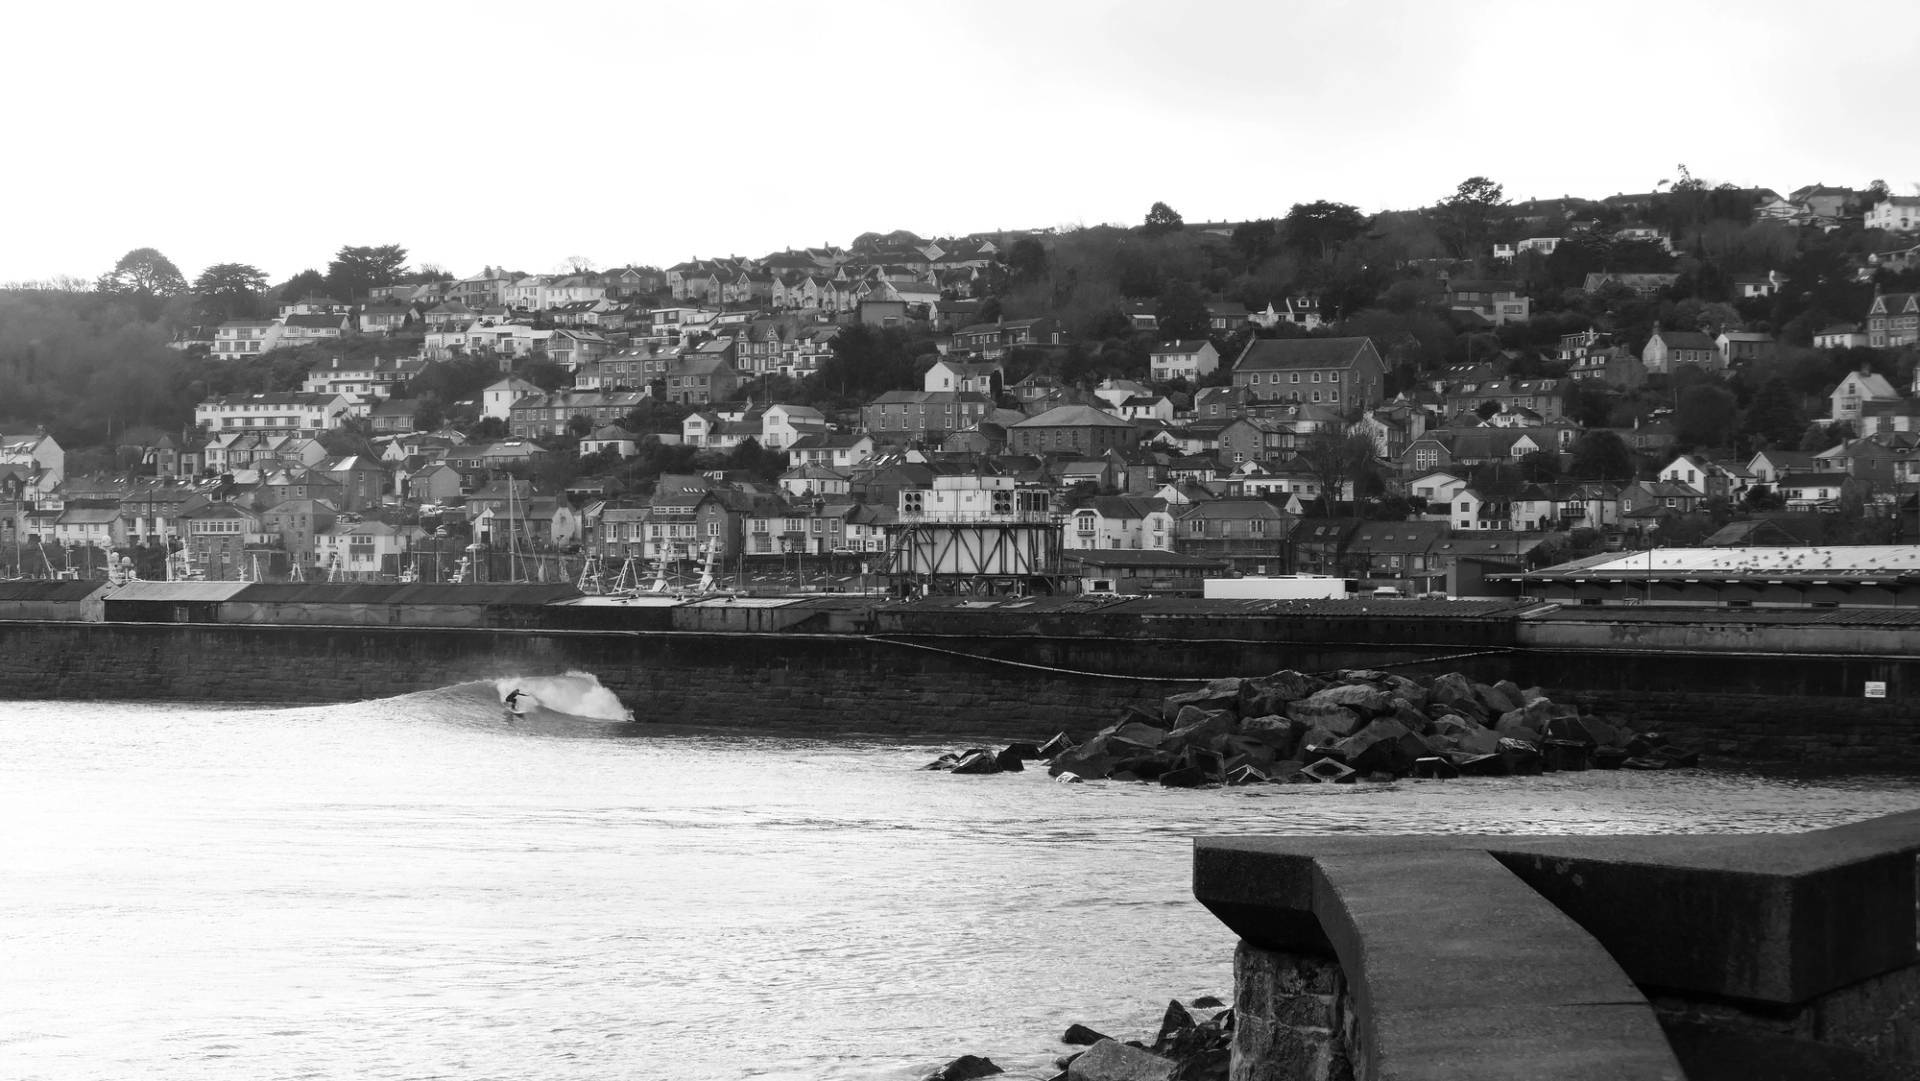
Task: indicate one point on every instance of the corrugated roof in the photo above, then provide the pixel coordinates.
(53, 590)
(175, 591)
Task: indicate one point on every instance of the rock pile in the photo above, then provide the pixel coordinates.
(1193, 1044)
(1360, 724)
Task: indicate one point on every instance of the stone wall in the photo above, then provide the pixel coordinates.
(1293, 1018)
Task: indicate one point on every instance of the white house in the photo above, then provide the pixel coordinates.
(288, 411)
(1134, 523)
(1856, 390)
(497, 400)
(1186, 359)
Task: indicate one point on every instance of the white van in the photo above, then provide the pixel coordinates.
(1382, 592)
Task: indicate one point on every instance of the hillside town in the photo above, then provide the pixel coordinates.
(1506, 385)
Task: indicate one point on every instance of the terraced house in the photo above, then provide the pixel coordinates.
(1342, 373)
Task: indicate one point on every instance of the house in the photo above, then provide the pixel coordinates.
(36, 456)
(899, 416)
(701, 380)
(364, 551)
(1345, 373)
(435, 483)
(1297, 311)
(1188, 359)
(1071, 429)
(497, 399)
(1741, 346)
(781, 425)
(610, 437)
(1225, 318)
(1847, 400)
(1135, 523)
(1876, 461)
(1816, 491)
(1437, 488)
(296, 523)
(540, 414)
(1652, 498)
(1840, 336)
(393, 416)
(976, 377)
(286, 411)
(1670, 348)
(1319, 545)
(1895, 214)
(1768, 466)
(1712, 479)
(836, 450)
(1614, 365)
(1249, 534)
(1398, 554)
(215, 537)
(1498, 302)
(1893, 320)
(1746, 287)
(385, 318)
(1543, 398)
(246, 337)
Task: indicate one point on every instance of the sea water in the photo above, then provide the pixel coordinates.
(421, 887)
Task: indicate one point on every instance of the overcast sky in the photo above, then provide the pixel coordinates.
(521, 134)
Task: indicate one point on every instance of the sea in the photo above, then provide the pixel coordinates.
(420, 887)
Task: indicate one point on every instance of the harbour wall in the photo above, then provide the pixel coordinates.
(1786, 692)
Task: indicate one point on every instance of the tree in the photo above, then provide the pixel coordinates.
(1466, 218)
(1162, 218)
(1254, 240)
(1704, 414)
(1600, 454)
(1027, 261)
(1775, 419)
(143, 273)
(356, 271)
(1320, 229)
(1182, 312)
(307, 283)
(230, 291)
(1337, 459)
(1540, 467)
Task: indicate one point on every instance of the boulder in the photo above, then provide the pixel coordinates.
(1677, 757)
(945, 761)
(1565, 754)
(1281, 733)
(1270, 694)
(1609, 757)
(1402, 687)
(1067, 778)
(1517, 724)
(1523, 757)
(1090, 765)
(1495, 699)
(1435, 768)
(1010, 760)
(1187, 777)
(1336, 719)
(1408, 714)
(1362, 698)
(1196, 727)
(977, 761)
(1137, 734)
(1111, 1060)
(1056, 746)
(1217, 694)
(1026, 752)
(1082, 1036)
(1145, 768)
(1570, 730)
(1478, 741)
(1480, 765)
(1449, 690)
(1378, 747)
(1361, 675)
(965, 1068)
(1249, 751)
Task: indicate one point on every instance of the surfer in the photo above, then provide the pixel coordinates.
(513, 699)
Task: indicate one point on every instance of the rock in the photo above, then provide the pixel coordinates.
(1361, 675)
(1092, 765)
(1450, 690)
(1378, 747)
(1082, 1036)
(1056, 747)
(1609, 757)
(977, 761)
(1570, 730)
(1495, 699)
(1327, 771)
(965, 1068)
(1010, 760)
(1517, 724)
(1408, 714)
(1249, 751)
(1336, 719)
(1523, 757)
(945, 761)
(1271, 694)
(1678, 758)
(1362, 698)
(1645, 743)
(1174, 1020)
(1027, 752)
(1111, 1060)
(1478, 741)
(1186, 777)
(1565, 754)
(1435, 768)
(1196, 726)
(1482, 765)
(1413, 693)
(1378, 776)
(1207, 1002)
(1136, 734)
(1067, 778)
(1281, 733)
(1648, 762)
(1217, 694)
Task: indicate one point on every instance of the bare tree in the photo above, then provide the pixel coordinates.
(1337, 459)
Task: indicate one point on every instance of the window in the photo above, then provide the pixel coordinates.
(1291, 378)
(1333, 377)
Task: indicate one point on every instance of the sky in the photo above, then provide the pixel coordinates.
(519, 135)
